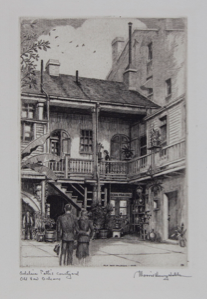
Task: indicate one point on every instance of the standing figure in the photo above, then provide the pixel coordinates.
(107, 158)
(67, 227)
(85, 234)
(28, 226)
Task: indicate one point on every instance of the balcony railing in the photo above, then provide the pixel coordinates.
(126, 169)
(113, 167)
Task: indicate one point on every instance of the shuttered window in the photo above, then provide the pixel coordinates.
(27, 132)
(86, 141)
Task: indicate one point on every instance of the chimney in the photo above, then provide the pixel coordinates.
(77, 80)
(117, 47)
(53, 67)
(130, 45)
(130, 74)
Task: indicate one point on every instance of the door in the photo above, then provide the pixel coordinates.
(60, 142)
(118, 142)
(172, 213)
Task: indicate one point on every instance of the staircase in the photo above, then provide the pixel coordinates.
(79, 195)
(64, 189)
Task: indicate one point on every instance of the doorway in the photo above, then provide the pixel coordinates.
(170, 214)
(57, 204)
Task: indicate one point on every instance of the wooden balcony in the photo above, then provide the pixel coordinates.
(122, 171)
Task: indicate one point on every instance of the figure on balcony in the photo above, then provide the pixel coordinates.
(107, 158)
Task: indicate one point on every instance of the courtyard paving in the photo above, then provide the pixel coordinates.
(127, 251)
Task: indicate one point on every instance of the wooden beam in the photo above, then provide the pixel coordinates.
(85, 197)
(43, 198)
(105, 196)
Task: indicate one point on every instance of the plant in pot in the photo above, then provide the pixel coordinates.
(101, 217)
(179, 234)
(127, 152)
(43, 227)
(50, 233)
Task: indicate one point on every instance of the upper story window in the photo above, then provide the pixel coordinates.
(28, 111)
(27, 132)
(86, 141)
(150, 91)
(59, 142)
(168, 87)
(143, 145)
(150, 56)
(163, 130)
(118, 142)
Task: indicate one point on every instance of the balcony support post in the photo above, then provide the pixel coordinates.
(43, 197)
(66, 166)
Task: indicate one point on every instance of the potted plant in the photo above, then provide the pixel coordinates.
(179, 234)
(101, 217)
(128, 153)
(155, 138)
(50, 233)
(43, 228)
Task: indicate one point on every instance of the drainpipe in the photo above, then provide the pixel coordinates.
(97, 169)
(48, 105)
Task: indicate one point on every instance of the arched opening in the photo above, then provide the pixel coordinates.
(118, 142)
(60, 142)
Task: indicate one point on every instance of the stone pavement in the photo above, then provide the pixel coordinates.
(125, 251)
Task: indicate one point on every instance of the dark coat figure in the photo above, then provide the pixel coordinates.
(107, 158)
(67, 228)
(28, 226)
(85, 234)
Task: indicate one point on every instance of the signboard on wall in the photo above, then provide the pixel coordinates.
(120, 195)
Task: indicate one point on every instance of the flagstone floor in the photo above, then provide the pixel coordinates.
(127, 251)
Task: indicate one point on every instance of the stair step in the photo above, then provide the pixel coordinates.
(74, 199)
(79, 204)
(69, 193)
(64, 190)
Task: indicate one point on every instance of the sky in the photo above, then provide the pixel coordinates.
(84, 45)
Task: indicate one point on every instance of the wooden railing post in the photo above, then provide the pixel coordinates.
(66, 166)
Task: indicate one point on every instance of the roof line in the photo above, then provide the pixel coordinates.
(176, 101)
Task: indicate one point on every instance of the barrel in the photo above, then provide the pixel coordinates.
(50, 235)
(103, 233)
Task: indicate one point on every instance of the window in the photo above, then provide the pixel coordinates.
(168, 87)
(55, 146)
(86, 141)
(119, 207)
(28, 111)
(150, 51)
(156, 204)
(150, 91)
(27, 132)
(59, 142)
(123, 207)
(113, 203)
(163, 132)
(118, 142)
(143, 145)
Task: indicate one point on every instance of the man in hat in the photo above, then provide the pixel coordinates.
(67, 227)
(28, 225)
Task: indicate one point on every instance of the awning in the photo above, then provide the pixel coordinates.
(30, 200)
